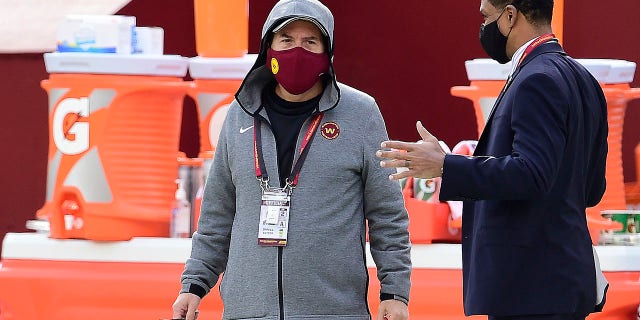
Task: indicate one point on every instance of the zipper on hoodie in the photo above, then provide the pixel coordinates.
(280, 288)
(280, 291)
(280, 249)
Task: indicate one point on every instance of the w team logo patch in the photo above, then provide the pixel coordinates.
(330, 130)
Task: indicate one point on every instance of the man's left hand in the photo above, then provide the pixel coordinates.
(393, 310)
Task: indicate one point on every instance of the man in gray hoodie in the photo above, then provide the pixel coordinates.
(293, 186)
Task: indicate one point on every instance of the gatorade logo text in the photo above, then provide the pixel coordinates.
(330, 130)
(275, 67)
(69, 134)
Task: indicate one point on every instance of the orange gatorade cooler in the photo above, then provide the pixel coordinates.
(222, 27)
(215, 83)
(487, 78)
(114, 129)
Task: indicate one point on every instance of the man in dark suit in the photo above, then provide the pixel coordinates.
(539, 163)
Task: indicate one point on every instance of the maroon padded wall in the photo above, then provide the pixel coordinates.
(23, 139)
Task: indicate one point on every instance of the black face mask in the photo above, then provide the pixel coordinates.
(494, 42)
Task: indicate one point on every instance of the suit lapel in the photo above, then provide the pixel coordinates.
(487, 126)
(550, 47)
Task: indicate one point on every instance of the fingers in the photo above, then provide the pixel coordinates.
(179, 311)
(382, 314)
(406, 146)
(396, 163)
(393, 310)
(391, 154)
(400, 175)
(422, 131)
(399, 145)
(192, 313)
(186, 306)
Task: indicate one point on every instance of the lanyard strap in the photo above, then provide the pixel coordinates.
(540, 40)
(261, 170)
(258, 160)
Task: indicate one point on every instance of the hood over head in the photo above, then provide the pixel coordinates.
(284, 12)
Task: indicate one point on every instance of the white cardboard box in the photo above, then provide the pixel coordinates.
(149, 40)
(96, 34)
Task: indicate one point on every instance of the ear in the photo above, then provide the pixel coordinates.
(512, 14)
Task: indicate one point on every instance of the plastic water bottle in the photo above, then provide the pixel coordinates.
(181, 214)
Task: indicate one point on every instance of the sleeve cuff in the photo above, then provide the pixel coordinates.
(388, 296)
(197, 290)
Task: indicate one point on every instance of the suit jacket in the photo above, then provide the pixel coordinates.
(539, 163)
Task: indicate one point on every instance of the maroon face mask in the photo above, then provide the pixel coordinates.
(297, 69)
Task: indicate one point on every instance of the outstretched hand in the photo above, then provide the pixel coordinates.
(423, 159)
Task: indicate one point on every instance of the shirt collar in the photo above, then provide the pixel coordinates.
(518, 55)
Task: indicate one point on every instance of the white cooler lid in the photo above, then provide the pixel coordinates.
(104, 63)
(620, 71)
(221, 68)
(599, 68)
(487, 69)
(607, 71)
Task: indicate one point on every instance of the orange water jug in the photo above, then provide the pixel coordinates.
(113, 141)
(222, 27)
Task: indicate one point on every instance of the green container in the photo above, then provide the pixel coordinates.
(630, 222)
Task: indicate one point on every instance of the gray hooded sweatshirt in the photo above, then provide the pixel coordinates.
(321, 273)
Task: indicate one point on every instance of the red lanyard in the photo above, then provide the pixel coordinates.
(540, 40)
(261, 170)
(535, 43)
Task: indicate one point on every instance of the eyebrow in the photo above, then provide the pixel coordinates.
(284, 35)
